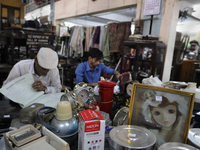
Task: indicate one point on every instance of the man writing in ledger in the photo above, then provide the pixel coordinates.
(43, 68)
(91, 70)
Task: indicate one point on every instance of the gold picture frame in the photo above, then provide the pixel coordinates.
(165, 112)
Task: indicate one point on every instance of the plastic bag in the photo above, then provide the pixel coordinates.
(96, 90)
(152, 81)
(115, 91)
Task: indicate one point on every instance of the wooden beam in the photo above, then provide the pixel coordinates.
(168, 33)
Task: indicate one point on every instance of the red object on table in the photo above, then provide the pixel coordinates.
(106, 95)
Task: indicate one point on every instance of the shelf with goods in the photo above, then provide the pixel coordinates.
(145, 58)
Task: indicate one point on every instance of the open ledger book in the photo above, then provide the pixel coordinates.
(20, 91)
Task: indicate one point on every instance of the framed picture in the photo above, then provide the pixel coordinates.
(165, 112)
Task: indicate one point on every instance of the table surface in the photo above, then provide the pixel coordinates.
(9, 111)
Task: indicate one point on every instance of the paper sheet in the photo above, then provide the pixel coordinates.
(50, 99)
(20, 91)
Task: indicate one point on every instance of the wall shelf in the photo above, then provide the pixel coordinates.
(149, 58)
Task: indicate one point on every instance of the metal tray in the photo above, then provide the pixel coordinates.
(194, 136)
(176, 146)
(131, 137)
(121, 117)
(174, 85)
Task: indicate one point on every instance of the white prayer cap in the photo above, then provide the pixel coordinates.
(47, 58)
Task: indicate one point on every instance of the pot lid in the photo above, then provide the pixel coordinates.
(130, 136)
(176, 146)
(194, 136)
(121, 117)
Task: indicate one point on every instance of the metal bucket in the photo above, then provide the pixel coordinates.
(130, 137)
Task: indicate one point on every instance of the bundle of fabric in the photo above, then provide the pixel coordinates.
(76, 43)
(108, 38)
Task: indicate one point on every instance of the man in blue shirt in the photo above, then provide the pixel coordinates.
(91, 70)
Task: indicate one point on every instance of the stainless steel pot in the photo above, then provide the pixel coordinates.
(66, 129)
(130, 137)
(70, 139)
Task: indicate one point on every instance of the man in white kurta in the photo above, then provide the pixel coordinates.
(43, 68)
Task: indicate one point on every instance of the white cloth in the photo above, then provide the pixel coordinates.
(88, 37)
(71, 42)
(76, 44)
(51, 80)
(91, 39)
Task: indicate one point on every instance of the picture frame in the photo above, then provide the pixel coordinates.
(166, 112)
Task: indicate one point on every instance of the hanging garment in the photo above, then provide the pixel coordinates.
(91, 39)
(89, 31)
(106, 51)
(80, 42)
(127, 31)
(101, 38)
(71, 30)
(72, 40)
(112, 31)
(96, 35)
(77, 42)
(122, 34)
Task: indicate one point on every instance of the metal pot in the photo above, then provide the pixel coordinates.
(71, 139)
(66, 129)
(130, 137)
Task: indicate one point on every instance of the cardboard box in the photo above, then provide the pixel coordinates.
(48, 141)
(91, 130)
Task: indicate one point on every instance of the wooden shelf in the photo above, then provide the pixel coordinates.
(155, 65)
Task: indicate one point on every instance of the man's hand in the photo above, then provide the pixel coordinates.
(38, 86)
(117, 74)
